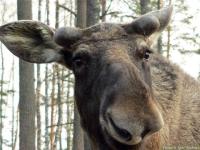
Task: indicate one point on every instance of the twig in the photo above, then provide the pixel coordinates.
(106, 11)
(62, 124)
(189, 51)
(64, 7)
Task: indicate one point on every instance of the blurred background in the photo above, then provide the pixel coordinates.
(51, 121)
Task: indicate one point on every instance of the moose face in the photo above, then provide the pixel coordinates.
(112, 74)
(113, 86)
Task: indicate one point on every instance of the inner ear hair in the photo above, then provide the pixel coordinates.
(145, 25)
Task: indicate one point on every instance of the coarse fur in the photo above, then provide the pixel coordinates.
(126, 99)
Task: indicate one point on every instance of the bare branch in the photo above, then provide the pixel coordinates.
(62, 124)
(106, 11)
(69, 10)
(190, 51)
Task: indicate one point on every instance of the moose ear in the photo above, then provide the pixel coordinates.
(150, 24)
(31, 41)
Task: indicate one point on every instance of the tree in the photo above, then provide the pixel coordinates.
(46, 100)
(27, 104)
(38, 91)
(2, 94)
(93, 11)
(53, 102)
(2, 82)
(78, 140)
(144, 6)
(168, 37)
(59, 105)
(87, 14)
(159, 43)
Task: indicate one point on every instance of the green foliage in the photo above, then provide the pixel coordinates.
(3, 93)
(10, 91)
(3, 116)
(3, 82)
(6, 93)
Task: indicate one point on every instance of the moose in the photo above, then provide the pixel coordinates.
(128, 97)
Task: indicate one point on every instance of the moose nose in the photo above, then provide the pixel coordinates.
(130, 132)
(123, 133)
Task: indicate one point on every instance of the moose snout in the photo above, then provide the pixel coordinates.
(130, 129)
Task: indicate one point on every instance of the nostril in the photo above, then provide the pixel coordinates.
(121, 132)
(145, 132)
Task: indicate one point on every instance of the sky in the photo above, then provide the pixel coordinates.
(189, 62)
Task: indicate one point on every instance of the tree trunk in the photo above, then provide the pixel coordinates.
(2, 81)
(59, 105)
(13, 107)
(81, 13)
(46, 101)
(68, 113)
(103, 10)
(58, 86)
(57, 14)
(144, 6)
(93, 11)
(169, 37)
(27, 104)
(78, 138)
(53, 101)
(1, 98)
(46, 92)
(38, 89)
(87, 15)
(159, 42)
(168, 41)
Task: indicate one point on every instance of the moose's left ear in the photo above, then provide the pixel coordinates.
(31, 41)
(150, 23)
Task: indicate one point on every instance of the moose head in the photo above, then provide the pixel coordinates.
(110, 62)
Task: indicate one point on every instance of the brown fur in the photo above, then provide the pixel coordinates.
(177, 96)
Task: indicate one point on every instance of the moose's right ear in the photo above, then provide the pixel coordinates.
(31, 41)
(151, 24)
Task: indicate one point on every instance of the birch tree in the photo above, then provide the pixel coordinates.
(27, 104)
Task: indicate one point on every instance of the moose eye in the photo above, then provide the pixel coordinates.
(78, 62)
(146, 54)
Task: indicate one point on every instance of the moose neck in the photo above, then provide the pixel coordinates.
(165, 82)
